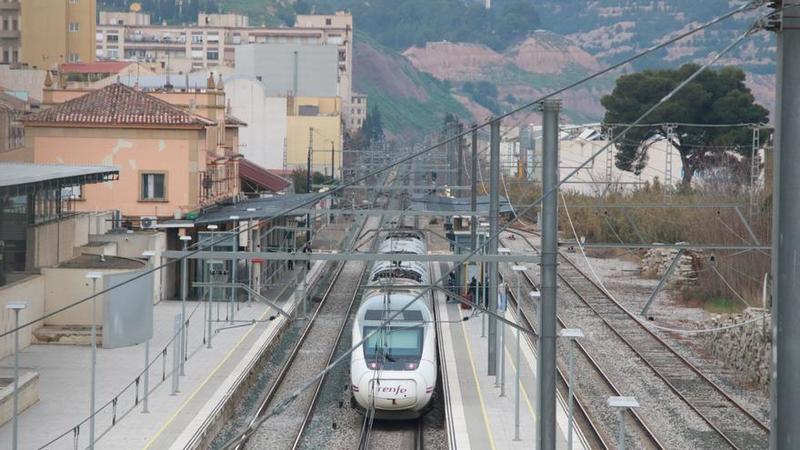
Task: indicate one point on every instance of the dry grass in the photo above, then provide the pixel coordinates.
(682, 221)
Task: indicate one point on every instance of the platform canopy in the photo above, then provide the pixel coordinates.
(257, 208)
(19, 175)
(433, 202)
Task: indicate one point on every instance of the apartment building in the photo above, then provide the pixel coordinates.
(10, 21)
(213, 41)
(57, 31)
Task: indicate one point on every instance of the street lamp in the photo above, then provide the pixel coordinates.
(16, 307)
(502, 300)
(184, 289)
(517, 270)
(622, 404)
(483, 226)
(571, 334)
(149, 255)
(234, 269)
(94, 276)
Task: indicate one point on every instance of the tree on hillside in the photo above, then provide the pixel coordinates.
(372, 128)
(714, 97)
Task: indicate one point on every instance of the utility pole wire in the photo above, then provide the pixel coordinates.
(285, 402)
(320, 196)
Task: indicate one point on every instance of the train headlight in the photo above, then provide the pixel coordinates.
(411, 366)
(373, 365)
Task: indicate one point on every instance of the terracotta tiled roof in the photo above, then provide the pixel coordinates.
(257, 175)
(119, 105)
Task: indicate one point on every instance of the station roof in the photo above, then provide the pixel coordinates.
(433, 202)
(23, 174)
(258, 176)
(264, 208)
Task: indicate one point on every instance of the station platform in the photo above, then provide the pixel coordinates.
(477, 416)
(173, 421)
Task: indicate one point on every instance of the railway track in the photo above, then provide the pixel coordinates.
(312, 352)
(392, 435)
(599, 378)
(731, 421)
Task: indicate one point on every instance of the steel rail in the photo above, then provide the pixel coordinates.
(270, 396)
(640, 352)
(312, 405)
(580, 404)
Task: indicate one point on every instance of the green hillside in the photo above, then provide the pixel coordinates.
(410, 101)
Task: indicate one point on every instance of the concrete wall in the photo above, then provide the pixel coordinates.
(27, 80)
(31, 291)
(263, 139)
(53, 243)
(66, 286)
(317, 68)
(132, 245)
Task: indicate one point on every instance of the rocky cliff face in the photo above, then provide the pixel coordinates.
(542, 62)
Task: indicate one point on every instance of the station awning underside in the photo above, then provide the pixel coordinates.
(26, 177)
(437, 203)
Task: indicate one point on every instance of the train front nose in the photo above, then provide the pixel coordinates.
(395, 394)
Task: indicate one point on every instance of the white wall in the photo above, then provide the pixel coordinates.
(262, 140)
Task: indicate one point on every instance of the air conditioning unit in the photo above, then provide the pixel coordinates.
(148, 222)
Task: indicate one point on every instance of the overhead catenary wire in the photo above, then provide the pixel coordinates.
(284, 403)
(196, 248)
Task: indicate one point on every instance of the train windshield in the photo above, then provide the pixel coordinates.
(398, 348)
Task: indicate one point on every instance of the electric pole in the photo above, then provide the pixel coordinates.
(785, 391)
(546, 377)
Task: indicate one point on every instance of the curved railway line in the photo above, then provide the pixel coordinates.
(731, 421)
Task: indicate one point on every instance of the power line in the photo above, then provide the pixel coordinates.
(285, 402)
(320, 196)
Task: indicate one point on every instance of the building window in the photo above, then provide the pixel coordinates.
(15, 56)
(74, 57)
(197, 39)
(74, 27)
(5, 23)
(212, 55)
(14, 24)
(328, 21)
(72, 193)
(153, 187)
(112, 38)
(74, 2)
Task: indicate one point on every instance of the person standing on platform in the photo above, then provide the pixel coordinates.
(451, 287)
(307, 249)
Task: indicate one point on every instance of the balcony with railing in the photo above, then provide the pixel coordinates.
(219, 181)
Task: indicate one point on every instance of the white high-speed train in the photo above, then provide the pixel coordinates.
(394, 371)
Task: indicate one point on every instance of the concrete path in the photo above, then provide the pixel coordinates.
(64, 382)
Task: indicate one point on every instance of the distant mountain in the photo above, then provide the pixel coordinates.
(455, 54)
(411, 102)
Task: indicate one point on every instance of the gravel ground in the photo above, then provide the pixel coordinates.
(622, 279)
(281, 430)
(666, 414)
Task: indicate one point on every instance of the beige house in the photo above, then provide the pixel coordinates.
(171, 161)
